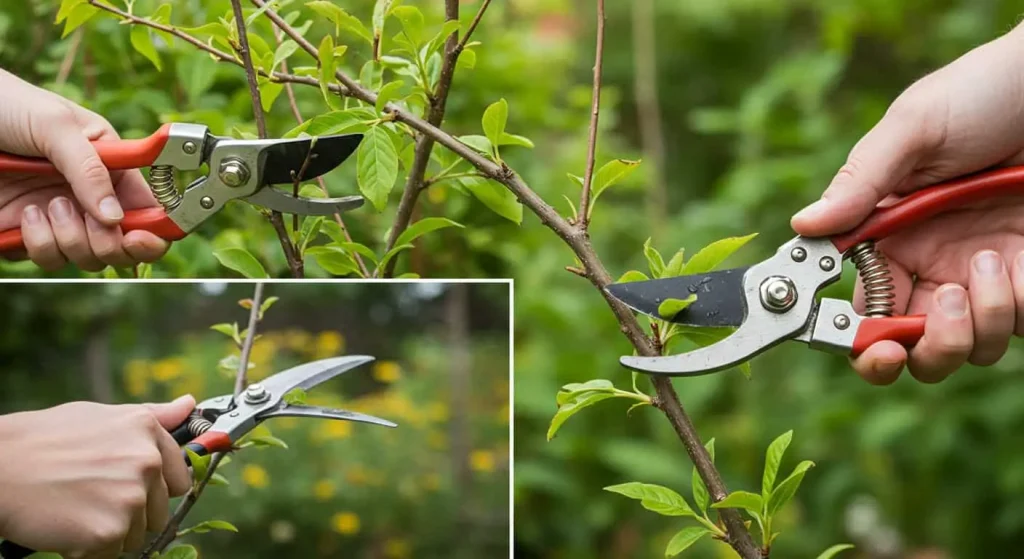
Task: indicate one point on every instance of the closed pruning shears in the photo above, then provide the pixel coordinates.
(774, 300)
(217, 423)
(237, 170)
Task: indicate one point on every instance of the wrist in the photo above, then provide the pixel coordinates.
(9, 435)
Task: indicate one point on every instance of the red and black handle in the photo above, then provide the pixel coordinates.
(904, 330)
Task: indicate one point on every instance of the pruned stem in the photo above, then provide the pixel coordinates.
(595, 113)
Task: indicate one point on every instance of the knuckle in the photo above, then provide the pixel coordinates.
(104, 532)
(134, 499)
(93, 170)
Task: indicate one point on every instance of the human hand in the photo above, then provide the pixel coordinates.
(73, 217)
(87, 480)
(963, 269)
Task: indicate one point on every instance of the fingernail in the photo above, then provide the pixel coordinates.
(111, 209)
(812, 211)
(32, 215)
(60, 210)
(953, 301)
(988, 263)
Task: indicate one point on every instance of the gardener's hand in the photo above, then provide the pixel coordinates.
(75, 216)
(87, 480)
(968, 266)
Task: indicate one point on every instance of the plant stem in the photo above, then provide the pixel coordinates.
(595, 113)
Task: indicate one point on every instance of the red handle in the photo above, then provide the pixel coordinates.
(933, 200)
(115, 154)
(904, 330)
(154, 220)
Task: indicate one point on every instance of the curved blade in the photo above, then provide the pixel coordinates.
(308, 375)
(720, 299)
(274, 199)
(318, 412)
(283, 157)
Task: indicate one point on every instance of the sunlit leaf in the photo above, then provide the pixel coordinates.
(265, 441)
(142, 42)
(412, 22)
(494, 120)
(341, 19)
(495, 196)
(479, 143)
(684, 539)
(229, 330)
(631, 276)
(654, 260)
(77, 15)
(180, 552)
(773, 457)
(507, 139)
(741, 500)
(569, 409)
(325, 57)
(266, 304)
(269, 91)
(377, 166)
(785, 491)
(656, 498)
(284, 50)
(671, 307)
(608, 175)
(295, 396)
(210, 525)
(712, 255)
(835, 550)
(334, 260)
(241, 261)
(388, 93)
(199, 463)
(424, 226)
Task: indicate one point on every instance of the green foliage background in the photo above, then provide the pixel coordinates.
(437, 486)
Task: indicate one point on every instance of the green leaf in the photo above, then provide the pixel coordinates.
(199, 464)
(334, 260)
(654, 260)
(325, 58)
(333, 122)
(65, 9)
(477, 142)
(309, 230)
(380, 14)
(655, 498)
(180, 552)
(700, 493)
(675, 265)
(574, 397)
(494, 120)
(229, 330)
(609, 174)
(671, 307)
(447, 29)
(741, 500)
(424, 226)
(495, 196)
(77, 16)
(412, 22)
(835, 550)
(631, 276)
(142, 42)
(241, 261)
(217, 479)
(391, 254)
(361, 249)
(341, 19)
(269, 91)
(515, 140)
(712, 255)
(266, 304)
(389, 92)
(265, 441)
(573, 390)
(210, 525)
(377, 166)
(684, 539)
(284, 50)
(787, 489)
(773, 457)
(295, 396)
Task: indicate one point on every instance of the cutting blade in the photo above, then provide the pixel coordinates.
(308, 375)
(284, 157)
(720, 300)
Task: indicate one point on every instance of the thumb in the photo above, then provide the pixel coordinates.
(171, 414)
(879, 162)
(74, 156)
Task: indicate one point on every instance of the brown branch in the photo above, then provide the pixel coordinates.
(170, 530)
(645, 86)
(595, 113)
(472, 26)
(69, 57)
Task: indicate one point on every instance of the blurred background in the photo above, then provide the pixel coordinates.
(436, 487)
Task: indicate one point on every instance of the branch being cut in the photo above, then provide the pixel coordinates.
(595, 113)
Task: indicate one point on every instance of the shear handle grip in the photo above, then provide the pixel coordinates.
(207, 443)
(154, 220)
(928, 202)
(116, 155)
(904, 330)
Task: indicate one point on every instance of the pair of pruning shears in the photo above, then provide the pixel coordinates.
(216, 424)
(237, 170)
(775, 300)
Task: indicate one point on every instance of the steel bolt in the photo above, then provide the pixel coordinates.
(255, 393)
(778, 294)
(841, 322)
(827, 263)
(233, 414)
(798, 254)
(233, 172)
(206, 202)
(189, 147)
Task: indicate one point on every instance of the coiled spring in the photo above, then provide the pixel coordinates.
(879, 289)
(161, 182)
(196, 424)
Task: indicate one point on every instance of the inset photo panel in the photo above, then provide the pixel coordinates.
(255, 420)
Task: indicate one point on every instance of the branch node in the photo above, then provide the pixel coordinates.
(578, 271)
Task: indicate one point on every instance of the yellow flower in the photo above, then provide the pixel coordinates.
(329, 344)
(255, 476)
(323, 490)
(345, 523)
(396, 549)
(437, 411)
(482, 460)
(297, 340)
(334, 430)
(136, 378)
(262, 352)
(167, 369)
(386, 372)
(503, 415)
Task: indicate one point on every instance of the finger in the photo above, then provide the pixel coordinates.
(69, 230)
(881, 363)
(157, 513)
(1017, 280)
(170, 415)
(40, 244)
(144, 246)
(63, 143)
(135, 539)
(992, 307)
(948, 336)
(106, 243)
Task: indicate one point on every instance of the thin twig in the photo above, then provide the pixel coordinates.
(170, 531)
(472, 26)
(297, 180)
(69, 57)
(595, 113)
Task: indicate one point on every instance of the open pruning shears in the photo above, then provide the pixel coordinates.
(237, 169)
(216, 424)
(775, 300)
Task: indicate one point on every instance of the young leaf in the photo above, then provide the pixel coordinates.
(209, 525)
(181, 552)
(741, 500)
(773, 457)
(609, 174)
(266, 440)
(477, 142)
(515, 140)
(671, 307)
(499, 199)
(241, 261)
(389, 92)
(377, 166)
(76, 16)
(295, 396)
(325, 57)
(684, 539)
(380, 14)
(143, 43)
(573, 390)
(570, 408)
(412, 22)
(633, 275)
(675, 265)
(424, 226)
(217, 479)
(494, 121)
(341, 19)
(391, 254)
(230, 330)
(654, 260)
(712, 255)
(334, 260)
(655, 498)
(785, 490)
(447, 29)
(835, 550)
(199, 463)
(269, 92)
(309, 230)
(284, 50)
(265, 306)
(361, 249)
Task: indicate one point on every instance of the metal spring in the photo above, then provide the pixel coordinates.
(878, 283)
(161, 182)
(197, 424)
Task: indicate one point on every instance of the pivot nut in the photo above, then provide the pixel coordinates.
(778, 294)
(233, 172)
(256, 393)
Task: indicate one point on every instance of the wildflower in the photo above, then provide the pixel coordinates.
(329, 344)
(323, 490)
(386, 372)
(482, 461)
(345, 523)
(255, 476)
(396, 549)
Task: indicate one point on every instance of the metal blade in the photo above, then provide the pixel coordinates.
(720, 299)
(273, 199)
(282, 157)
(308, 375)
(318, 412)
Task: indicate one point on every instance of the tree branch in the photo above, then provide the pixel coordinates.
(595, 113)
(170, 531)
